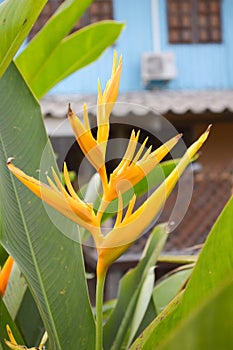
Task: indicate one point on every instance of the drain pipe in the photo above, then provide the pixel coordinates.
(155, 26)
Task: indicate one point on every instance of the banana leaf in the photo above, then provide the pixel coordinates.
(16, 18)
(51, 263)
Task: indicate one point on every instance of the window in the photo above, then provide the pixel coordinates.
(194, 21)
(98, 10)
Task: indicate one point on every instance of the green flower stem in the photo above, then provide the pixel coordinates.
(99, 310)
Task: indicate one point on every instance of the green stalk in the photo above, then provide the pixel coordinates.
(99, 310)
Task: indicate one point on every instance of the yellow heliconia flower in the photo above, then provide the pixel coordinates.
(95, 149)
(12, 344)
(5, 275)
(133, 168)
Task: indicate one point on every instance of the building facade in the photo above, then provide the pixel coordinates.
(203, 62)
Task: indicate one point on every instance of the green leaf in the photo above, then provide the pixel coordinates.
(167, 313)
(207, 327)
(164, 292)
(169, 287)
(5, 319)
(178, 259)
(142, 303)
(72, 53)
(52, 263)
(3, 253)
(149, 316)
(37, 52)
(215, 262)
(212, 269)
(119, 322)
(16, 20)
(29, 321)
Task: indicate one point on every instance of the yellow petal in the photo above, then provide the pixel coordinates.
(128, 156)
(77, 211)
(100, 107)
(138, 155)
(108, 98)
(119, 211)
(18, 347)
(43, 340)
(111, 92)
(131, 206)
(114, 62)
(146, 154)
(102, 136)
(126, 176)
(86, 141)
(5, 275)
(59, 185)
(14, 346)
(85, 117)
(105, 103)
(10, 335)
(103, 124)
(151, 160)
(69, 184)
(122, 236)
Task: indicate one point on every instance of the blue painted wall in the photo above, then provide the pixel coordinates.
(135, 39)
(200, 66)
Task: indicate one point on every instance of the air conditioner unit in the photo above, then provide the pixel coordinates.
(158, 66)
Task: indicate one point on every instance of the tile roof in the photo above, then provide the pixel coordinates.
(144, 102)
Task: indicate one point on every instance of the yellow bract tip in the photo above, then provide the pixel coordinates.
(5, 275)
(10, 335)
(114, 63)
(100, 95)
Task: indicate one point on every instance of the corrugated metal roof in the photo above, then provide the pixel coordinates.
(144, 102)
